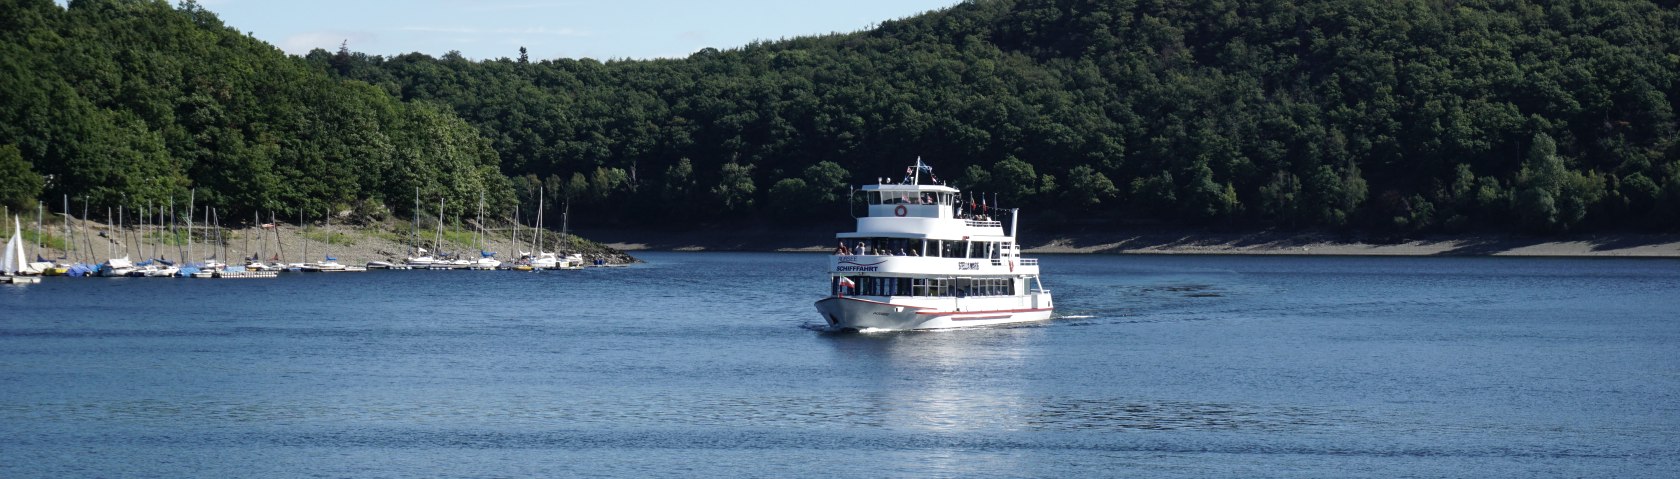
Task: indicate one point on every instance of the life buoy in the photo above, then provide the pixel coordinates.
(901, 210)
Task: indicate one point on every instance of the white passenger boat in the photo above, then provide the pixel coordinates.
(926, 258)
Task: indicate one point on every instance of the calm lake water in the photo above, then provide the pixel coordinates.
(713, 364)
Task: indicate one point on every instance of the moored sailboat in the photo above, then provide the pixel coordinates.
(13, 268)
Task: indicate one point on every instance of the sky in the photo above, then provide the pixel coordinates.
(603, 30)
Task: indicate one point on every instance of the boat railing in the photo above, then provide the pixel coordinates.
(1029, 261)
(984, 223)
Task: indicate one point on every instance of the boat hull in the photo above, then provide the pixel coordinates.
(897, 314)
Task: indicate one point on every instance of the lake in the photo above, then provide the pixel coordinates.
(716, 364)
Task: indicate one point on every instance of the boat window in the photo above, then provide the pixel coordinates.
(874, 197)
(930, 287)
(878, 286)
(983, 287)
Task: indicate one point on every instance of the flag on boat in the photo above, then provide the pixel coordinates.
(847, 282)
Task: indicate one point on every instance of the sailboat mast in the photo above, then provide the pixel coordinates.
(437, 237)
(246, 248)
(219, 239)
(174, 233)
(480, 223)
(87, 240)
(191, 198)
(67, 239)
(536, 239)
(413, 242)
(278, 245)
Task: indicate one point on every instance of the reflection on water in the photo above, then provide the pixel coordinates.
(939, 380)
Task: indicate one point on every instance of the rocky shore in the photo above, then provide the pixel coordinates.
(1183, 242)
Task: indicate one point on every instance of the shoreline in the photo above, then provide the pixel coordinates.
(1184, 242)
(351, 244)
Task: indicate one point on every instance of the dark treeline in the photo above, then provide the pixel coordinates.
(1384, 116)
(136, 103)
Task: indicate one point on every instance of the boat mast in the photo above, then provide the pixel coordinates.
(207, 234)
(173, 234)
(219, 239)
(278, 245)
(85, 239)
(414, 244)
(437, 238)
(481, 222)
(247, 246)
(40, 211)
(67, 239)
(156, 245)
(192, 196)
(536, 237)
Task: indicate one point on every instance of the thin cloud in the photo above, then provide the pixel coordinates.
(503, 7)
(559, 32)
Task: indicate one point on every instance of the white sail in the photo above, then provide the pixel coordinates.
(14, 250)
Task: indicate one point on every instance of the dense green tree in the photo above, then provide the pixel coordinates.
(1088, 187)
(19, 184)
(734, 192)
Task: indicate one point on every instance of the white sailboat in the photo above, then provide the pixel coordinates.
(15, 266)
(330, 264)
(421, 258)
(486, 260)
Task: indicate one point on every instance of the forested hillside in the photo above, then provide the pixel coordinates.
(137, 102)
(1394, 116)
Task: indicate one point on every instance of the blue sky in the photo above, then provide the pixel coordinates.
(602, 30)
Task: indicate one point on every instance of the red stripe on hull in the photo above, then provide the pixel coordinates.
(953, 313)
(977, 318)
